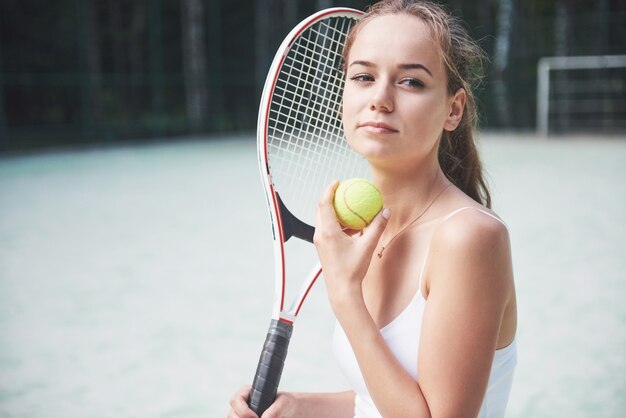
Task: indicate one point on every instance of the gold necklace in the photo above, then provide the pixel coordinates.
(380, 253)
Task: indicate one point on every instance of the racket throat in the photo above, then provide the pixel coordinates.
(292, 226)
(287, 318)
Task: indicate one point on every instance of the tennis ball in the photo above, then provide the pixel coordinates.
(357, 201)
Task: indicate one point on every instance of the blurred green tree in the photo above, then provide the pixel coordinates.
(83, 71)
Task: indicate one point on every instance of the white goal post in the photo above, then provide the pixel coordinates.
(547, 64)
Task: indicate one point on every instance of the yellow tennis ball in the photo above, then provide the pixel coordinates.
(357, 201)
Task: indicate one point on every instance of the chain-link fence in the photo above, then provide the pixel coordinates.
(83, 71)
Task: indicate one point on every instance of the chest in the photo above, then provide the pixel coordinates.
(393, 280)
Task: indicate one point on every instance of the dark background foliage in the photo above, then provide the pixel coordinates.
(88, 71)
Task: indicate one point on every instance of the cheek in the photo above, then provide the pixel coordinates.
(348, 117)
(434, 112)
(347, 107)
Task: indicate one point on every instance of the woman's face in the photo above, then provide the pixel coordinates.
(396, 103)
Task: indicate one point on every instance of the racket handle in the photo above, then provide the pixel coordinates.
(270, 368)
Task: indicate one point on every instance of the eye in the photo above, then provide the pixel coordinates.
(413, 83)
(362, 78)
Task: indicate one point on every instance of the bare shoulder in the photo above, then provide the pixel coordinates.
(474, 244)
(471, 229)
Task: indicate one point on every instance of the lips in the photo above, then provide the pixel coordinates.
(377, 127)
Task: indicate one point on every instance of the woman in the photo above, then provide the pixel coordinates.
(424, 297)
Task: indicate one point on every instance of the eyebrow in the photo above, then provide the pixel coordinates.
(409, 66)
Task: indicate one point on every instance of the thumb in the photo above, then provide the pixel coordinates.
(376, 228)
(282, 406)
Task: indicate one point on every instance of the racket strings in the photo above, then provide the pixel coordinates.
(325, 84)
(320, 84)
(306, 145)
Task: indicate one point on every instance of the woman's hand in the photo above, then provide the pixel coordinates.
(345, 258)
(283, 407)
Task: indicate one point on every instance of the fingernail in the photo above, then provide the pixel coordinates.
(386, 213)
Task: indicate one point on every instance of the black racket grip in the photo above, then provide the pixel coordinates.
(270, 368)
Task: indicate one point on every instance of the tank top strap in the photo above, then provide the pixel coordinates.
(451, 214)
(445, 218)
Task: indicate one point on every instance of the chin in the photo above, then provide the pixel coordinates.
(373, 152)
(369, 146)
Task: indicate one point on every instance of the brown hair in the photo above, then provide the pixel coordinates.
(464, 63)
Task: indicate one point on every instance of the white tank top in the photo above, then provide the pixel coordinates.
(402, 335)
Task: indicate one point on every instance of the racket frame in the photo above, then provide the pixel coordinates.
(276, 217)
(271, 361)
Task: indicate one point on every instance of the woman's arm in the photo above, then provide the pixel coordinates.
(345, 261)
(331, 405)
(465, 306)
(470, 282)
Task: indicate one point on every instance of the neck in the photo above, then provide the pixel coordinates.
(407, 193)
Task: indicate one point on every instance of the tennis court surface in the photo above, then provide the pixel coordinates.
(136, 281)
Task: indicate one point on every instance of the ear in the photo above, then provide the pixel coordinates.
(457, 105)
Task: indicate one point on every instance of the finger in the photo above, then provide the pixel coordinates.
(280, 407)
(242, 394)
(374, 231)
(274, 411)
(326, 217)
(239, 403)
(240, 409)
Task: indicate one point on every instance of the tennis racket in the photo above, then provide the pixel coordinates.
(301, 149)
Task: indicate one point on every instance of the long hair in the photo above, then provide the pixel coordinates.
(464, 62)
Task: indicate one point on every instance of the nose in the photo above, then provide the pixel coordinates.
(382, 98)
